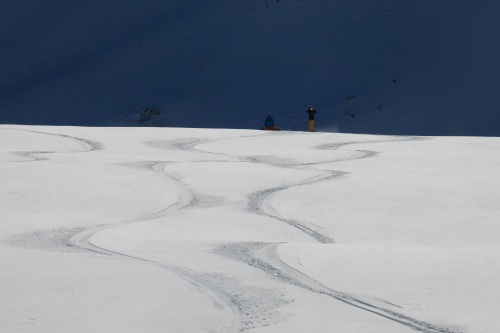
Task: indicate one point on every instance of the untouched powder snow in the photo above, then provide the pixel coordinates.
(205, 230)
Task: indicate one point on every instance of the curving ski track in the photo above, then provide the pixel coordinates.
(261, 256)
(251, 253)
(264, 257)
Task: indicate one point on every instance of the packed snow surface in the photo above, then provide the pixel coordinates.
(207, 230)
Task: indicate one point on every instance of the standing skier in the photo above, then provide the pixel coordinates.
(311, 111)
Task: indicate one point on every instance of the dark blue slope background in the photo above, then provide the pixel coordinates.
(427, 67)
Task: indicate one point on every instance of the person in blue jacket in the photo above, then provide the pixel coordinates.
(269, 122)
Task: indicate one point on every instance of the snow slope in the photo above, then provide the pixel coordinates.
(203, 230)
(380, 66)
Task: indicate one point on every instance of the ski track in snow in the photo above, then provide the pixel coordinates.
(247, 252)
(54, 239)
(275, 267)
(77, 239)
(252, 307)
(88, 145)
(293, 276)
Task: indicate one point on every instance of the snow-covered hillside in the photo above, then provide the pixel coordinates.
(369, 66)
(201, 230)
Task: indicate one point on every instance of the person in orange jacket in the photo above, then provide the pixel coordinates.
(311, 111)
